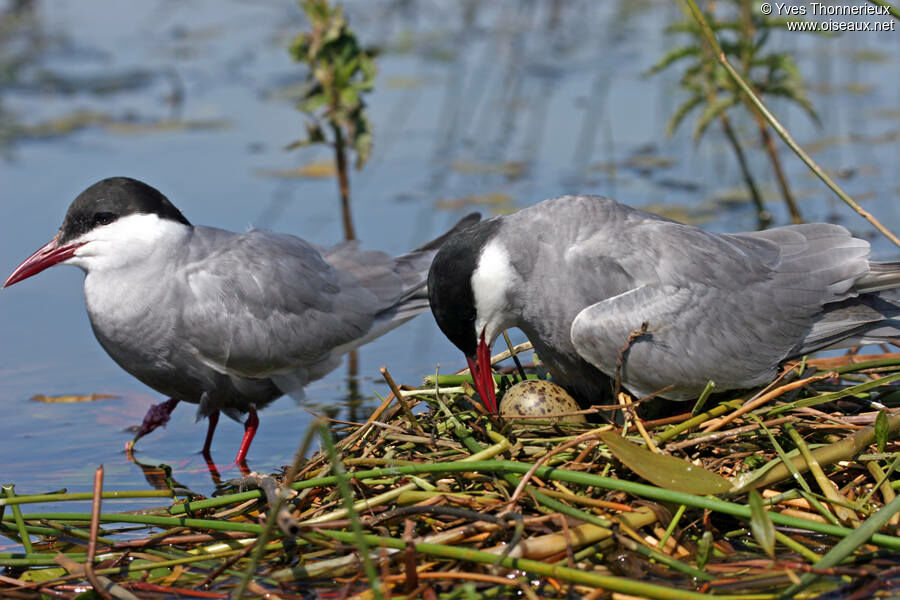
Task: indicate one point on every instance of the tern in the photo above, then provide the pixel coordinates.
(602, 289)
(229, 321)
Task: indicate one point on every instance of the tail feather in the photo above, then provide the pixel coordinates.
(867, 319)
(399, 283)
(413, 268)
(392, 279)
(881, 276)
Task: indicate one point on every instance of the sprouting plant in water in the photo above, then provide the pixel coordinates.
(743, 33)
(340, 72)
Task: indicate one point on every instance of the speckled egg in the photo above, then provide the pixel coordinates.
(537, 397)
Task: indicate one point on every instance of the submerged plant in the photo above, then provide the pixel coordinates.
(743, 33)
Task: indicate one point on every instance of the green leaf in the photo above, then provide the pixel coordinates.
(45, 574)
(704, 548)
(312, 102)
(673, 55)
(362, 141)
(761, 525)
(367, 66)
(882, 430)
(297, 144)
(712, 112)
(299, 48)
(156, 573)
(349, 97)
(682, 111)
(314, 133)
(667, 472)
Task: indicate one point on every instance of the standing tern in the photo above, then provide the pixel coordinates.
(580, 274)
(229, 321)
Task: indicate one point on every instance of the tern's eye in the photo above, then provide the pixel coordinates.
(104, 218)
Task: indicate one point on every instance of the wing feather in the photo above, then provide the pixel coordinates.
(265, 303)
(726, 307)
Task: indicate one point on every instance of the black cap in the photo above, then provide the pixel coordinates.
(111, 199)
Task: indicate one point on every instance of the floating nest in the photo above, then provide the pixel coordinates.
(786, 491)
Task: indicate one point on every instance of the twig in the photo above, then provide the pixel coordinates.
(515, 357)
(403, 404)
(623, 401)
(275, 514)
(207, 581)
(96, 502)
(591, 435)
(500, 357)
(9, 490)
(753, 404)
(620, 361)
(705, 439)
(825, 484)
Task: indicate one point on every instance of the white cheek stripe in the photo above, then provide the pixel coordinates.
(491, 280)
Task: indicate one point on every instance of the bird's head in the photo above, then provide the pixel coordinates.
(106, 225)
(469, 286)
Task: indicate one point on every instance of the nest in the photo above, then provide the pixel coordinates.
(763, 495)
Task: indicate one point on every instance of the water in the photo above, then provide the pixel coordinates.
(487, 106)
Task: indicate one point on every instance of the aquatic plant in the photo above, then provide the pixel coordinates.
(340, 72)
(744, 33)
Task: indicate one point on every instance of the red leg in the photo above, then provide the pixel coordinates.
(250, 428)
(211, 429)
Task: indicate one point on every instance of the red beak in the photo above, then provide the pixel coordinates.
(480, 367)
(50, 254)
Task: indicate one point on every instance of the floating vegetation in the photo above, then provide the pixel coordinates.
(496, 202)
(318, 169)
(512, 169)
(131, 127)
(398, 82)
(71, 398)
(646, 161)
(79, 120)
(759, 496)
(102, 83)
(888, 137)
(851, 88)
(869, 55)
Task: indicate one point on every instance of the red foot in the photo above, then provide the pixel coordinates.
(250, 428)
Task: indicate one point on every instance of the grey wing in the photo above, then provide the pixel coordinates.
(398, 283)
(723, 307)
(693, 334)
(262, 304)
